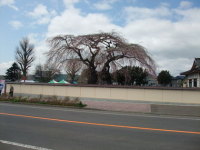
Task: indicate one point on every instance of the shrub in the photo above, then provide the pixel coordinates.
(51, 100)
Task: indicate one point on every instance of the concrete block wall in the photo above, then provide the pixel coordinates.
(156, 100)
(139, 94)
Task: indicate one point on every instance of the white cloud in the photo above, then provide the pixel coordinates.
(70, 3)
(41, 14)
(136, 13)
(105, 4)
(6, 2)
(40, 47)
(39, 11)
(185, 4)
(16, 24)
(184, 64)
(4, 66)
(72, 22)
(33, 38)
(189, 15)
(9, 3)
(102, 6)
(39, 42)
(173, 44)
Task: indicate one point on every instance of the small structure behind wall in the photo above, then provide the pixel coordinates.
(193, 75)
(178, 81)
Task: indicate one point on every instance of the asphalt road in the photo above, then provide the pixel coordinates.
(44, 128)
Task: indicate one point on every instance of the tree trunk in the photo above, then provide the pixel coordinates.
(92, 76)
(105, 75)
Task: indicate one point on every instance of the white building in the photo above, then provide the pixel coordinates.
(193, 75)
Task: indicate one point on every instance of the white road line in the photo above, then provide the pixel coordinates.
(23, 145)
(108, 113)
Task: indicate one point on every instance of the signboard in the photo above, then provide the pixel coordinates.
(2, 86)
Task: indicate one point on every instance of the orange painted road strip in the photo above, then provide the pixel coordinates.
(100, 124)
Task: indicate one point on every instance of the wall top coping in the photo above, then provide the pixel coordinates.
(107, 86)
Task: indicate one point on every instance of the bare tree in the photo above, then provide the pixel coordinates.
(125, 54)
(51, 69)
(83, 78)
(25, 56)
(46, 72)
(72, 68)
(101, 52)
(40, 73)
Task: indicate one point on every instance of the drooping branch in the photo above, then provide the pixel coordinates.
(72, 68)
(98, 52)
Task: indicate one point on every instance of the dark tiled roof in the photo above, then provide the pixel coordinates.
(197, 62)
(178, 77)
(195, 67)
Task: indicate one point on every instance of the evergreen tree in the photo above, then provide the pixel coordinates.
(13, 73)
(164, 78)
(130, 76)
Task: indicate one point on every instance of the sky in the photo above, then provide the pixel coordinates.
(168, 29)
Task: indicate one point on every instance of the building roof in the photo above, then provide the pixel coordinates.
(195, 67)
(181, 77)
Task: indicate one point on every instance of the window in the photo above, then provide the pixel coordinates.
(190, 82)
(195, 82)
